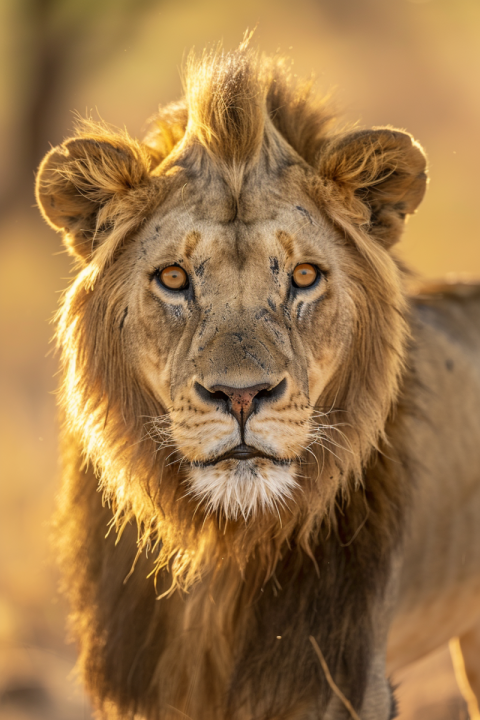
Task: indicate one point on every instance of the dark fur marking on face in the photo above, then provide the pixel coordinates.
(261, 313)
(274, 267)
(200, 269)
(318, 300)
(307, 308)
(176, 310)
(304, 212)
(264, 345)
(122, 321)
(256, 360)
(272, 304)
(205, 321)
(235, 202)
(276, 332)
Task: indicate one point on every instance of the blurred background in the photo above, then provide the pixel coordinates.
(414, 64)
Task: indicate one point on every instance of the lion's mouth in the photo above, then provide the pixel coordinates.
(242, 452)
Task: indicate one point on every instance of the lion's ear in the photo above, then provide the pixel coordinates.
(81, 183)
(379, 177)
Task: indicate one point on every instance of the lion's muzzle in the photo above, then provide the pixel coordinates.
(241, 402)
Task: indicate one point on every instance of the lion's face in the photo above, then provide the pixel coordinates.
(239, 354)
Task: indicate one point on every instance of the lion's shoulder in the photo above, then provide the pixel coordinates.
(447, 290)
(451, 307)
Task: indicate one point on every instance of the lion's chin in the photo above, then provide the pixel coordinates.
(242, 488)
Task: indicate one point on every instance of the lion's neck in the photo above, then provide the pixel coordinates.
(221, 639)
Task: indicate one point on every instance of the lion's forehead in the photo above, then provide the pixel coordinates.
(239, 254)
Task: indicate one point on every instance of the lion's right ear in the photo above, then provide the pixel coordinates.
(378, 176)
(85, 184)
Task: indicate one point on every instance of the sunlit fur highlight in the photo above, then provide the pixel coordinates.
(236, 490)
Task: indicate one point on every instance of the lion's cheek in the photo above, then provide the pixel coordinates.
(317, 381)
(204, 435)
(320, 372)
(281, 436)
(155, 369)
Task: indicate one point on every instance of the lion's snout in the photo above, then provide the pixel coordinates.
(241, 401)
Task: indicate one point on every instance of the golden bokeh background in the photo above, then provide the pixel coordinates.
(414, 64)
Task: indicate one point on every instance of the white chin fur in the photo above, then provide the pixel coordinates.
(242, 487)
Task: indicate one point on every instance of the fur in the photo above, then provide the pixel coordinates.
(247, 559)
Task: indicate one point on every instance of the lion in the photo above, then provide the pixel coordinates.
(271, 451)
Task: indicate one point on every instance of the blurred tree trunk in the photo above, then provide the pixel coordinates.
(60, 45)
(52, 51)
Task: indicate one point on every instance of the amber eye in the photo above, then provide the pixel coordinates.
(304, 275)
(174, 278)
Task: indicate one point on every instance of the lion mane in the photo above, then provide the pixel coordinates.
(186, 602)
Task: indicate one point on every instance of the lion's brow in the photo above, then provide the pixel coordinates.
(190, 243)
(286, 241)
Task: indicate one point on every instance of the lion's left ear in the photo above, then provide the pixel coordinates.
(379, 177)
(91, 186)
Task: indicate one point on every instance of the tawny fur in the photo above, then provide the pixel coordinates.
(247, 558)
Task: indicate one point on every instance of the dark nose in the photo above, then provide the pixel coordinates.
(241, 402)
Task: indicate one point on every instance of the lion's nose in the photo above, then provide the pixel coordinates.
(241, 399)
(241, 402)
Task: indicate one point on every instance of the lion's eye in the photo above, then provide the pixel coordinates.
(304, 275)
(174, 278)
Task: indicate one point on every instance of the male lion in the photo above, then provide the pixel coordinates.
(287, 447)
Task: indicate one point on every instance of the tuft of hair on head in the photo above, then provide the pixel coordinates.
(240, 107)
(302, 115)
(226, 95)
(166, 130)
